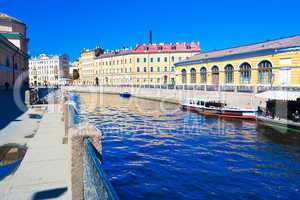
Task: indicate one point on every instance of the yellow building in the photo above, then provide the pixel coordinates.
(86, 66)
(147, 64)
(249, 68)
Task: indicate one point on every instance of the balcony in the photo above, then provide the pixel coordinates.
(245, 88)
(212, 87)
(227, 88)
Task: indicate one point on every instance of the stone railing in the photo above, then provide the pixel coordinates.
(85, 151)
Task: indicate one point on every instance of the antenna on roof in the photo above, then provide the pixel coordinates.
(150, 37)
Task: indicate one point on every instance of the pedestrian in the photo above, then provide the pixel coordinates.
(296, 116)
(6, 84)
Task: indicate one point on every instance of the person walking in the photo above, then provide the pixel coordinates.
(6, 84)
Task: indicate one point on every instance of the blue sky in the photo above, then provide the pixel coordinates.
(68, 26)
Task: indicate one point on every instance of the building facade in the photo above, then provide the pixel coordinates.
(143, 65)
(253, 67)
(86, 66)
(46, 70)
(73, 67)
(13, 51)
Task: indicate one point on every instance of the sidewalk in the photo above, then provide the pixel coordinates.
(9, 110)
(43, 174)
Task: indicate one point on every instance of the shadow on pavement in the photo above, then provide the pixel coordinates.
(49, 194)
(9, 111)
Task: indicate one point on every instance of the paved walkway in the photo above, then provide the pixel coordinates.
(19, 130)
(43, 174)
(9, 109)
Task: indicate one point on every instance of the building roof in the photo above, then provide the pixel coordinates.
(152, 48)
(7, 17)
(163, 47)
(246, 50)
(279, 95)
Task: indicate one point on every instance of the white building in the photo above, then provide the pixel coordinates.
(48, 70)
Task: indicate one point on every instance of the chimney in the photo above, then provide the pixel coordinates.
(150, 37)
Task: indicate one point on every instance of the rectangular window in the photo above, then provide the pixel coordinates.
(158, 59)
(137, 60)
(151, 59)
(145, 60)
(166, 59)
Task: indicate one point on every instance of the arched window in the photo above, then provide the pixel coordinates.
(245, 73)
(215, 75)
(229, 73)
(265, 72)
(203, 75)
(193, 75)
(183, 76)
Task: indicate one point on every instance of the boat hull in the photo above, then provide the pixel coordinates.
(125, 95)
(222, 113)
(282, 127)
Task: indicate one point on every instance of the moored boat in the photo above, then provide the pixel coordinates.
(212, 108)
(125, 94)
(281, 125)
(282, 111)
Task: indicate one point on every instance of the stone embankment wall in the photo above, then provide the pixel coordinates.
(244, 100)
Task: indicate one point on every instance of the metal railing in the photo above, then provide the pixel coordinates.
(206, 87)
(96, 184)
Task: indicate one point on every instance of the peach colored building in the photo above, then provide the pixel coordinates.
(13, 50)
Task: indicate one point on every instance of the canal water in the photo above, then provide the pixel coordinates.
(153, 150)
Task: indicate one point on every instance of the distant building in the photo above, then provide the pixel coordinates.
(248, 68)
(73, 66)
(143, 65)
(13, 50)
(46, 70)
(86, 65)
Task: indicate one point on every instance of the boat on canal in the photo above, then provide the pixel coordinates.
(125, 94)
(218, 109)
(282, 111)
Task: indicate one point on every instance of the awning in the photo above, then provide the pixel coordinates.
(279, 95)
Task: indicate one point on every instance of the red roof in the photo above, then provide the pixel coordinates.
(155, 48)
(177, 47)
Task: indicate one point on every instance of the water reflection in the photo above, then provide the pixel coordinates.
(156, 151)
